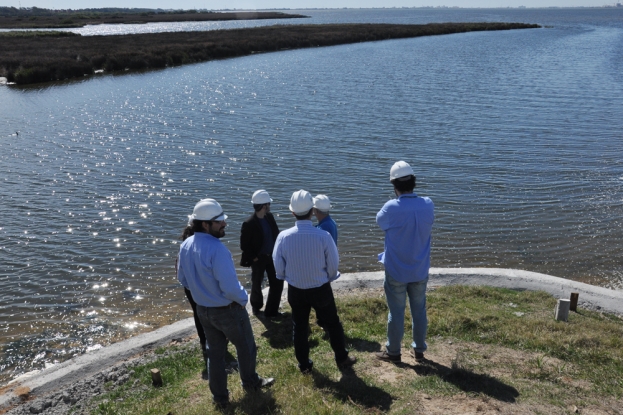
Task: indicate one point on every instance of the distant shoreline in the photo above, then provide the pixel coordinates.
(35, 57)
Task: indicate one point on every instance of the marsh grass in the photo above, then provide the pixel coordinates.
(34, 59)
(489, 349)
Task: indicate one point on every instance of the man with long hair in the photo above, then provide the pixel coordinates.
(206, 268)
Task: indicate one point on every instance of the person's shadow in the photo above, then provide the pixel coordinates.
(279, 332)
(253, 403)
(350, 388)
(465, 379)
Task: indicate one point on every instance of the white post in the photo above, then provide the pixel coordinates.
(562, 309)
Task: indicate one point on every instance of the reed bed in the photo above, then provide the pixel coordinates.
(46, 58)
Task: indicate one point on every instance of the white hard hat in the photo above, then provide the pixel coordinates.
(208, 209)
(260, 197)
(400, 169)
(322, 203)
(301, 202)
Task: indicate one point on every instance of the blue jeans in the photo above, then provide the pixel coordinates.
(396, 294)
(320, 299)
(220, 325)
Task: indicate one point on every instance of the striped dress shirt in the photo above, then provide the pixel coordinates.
(305, 256)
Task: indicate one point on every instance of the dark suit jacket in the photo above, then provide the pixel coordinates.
(252, 237)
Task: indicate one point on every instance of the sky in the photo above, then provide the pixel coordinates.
(294, 4)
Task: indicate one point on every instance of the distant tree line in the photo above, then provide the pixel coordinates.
(30, 58)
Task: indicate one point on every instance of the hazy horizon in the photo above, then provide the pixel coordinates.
(310, 4)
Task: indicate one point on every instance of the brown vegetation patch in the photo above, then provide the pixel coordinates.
(34, 59)
(22, 392)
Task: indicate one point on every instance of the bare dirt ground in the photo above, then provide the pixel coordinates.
(492, 361)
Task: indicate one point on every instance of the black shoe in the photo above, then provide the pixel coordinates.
(419, 356)
(221, 404)
(307, 370)
(261, 384)
(256, 312)
(277, 316)
(384, 356)
(265, 383)
(348, 362)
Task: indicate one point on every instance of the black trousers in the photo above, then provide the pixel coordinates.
(265, 264)
(198, 326)
(322, 301)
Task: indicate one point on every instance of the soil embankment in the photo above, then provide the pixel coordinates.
(32, 58)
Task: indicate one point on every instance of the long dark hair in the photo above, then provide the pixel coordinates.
(195, 226)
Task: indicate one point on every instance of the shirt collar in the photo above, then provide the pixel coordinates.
(408, 195)
(303, 223)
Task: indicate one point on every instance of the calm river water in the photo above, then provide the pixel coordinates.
(516, 136)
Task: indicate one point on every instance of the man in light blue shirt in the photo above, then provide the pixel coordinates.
(407, 223)
(322, 206)
(306, 258)
(206, 268)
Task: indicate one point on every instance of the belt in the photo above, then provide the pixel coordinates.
(233, 304)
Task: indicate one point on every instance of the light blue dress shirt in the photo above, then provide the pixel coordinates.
(205, 266)
(305, 256)
(329, 225)
(407, 223)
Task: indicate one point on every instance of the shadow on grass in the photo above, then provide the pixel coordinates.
(350, 388)
(363, 345)
(466, 380)
(256, 403)
(279, 332)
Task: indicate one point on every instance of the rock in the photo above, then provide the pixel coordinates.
(37, 408)
(123, 379)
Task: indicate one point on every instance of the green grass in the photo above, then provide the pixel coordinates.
(490, 348)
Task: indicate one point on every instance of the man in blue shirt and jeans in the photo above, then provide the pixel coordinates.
(206, 268)
(407, 222)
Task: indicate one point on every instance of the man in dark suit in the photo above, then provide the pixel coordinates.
(257, 239)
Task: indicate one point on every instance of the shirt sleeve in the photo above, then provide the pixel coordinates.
(332, 258)
(278, 260)
(382, 219)
(181, 277)
(225, 273)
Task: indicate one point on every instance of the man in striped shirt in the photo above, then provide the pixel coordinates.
(306, 258)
